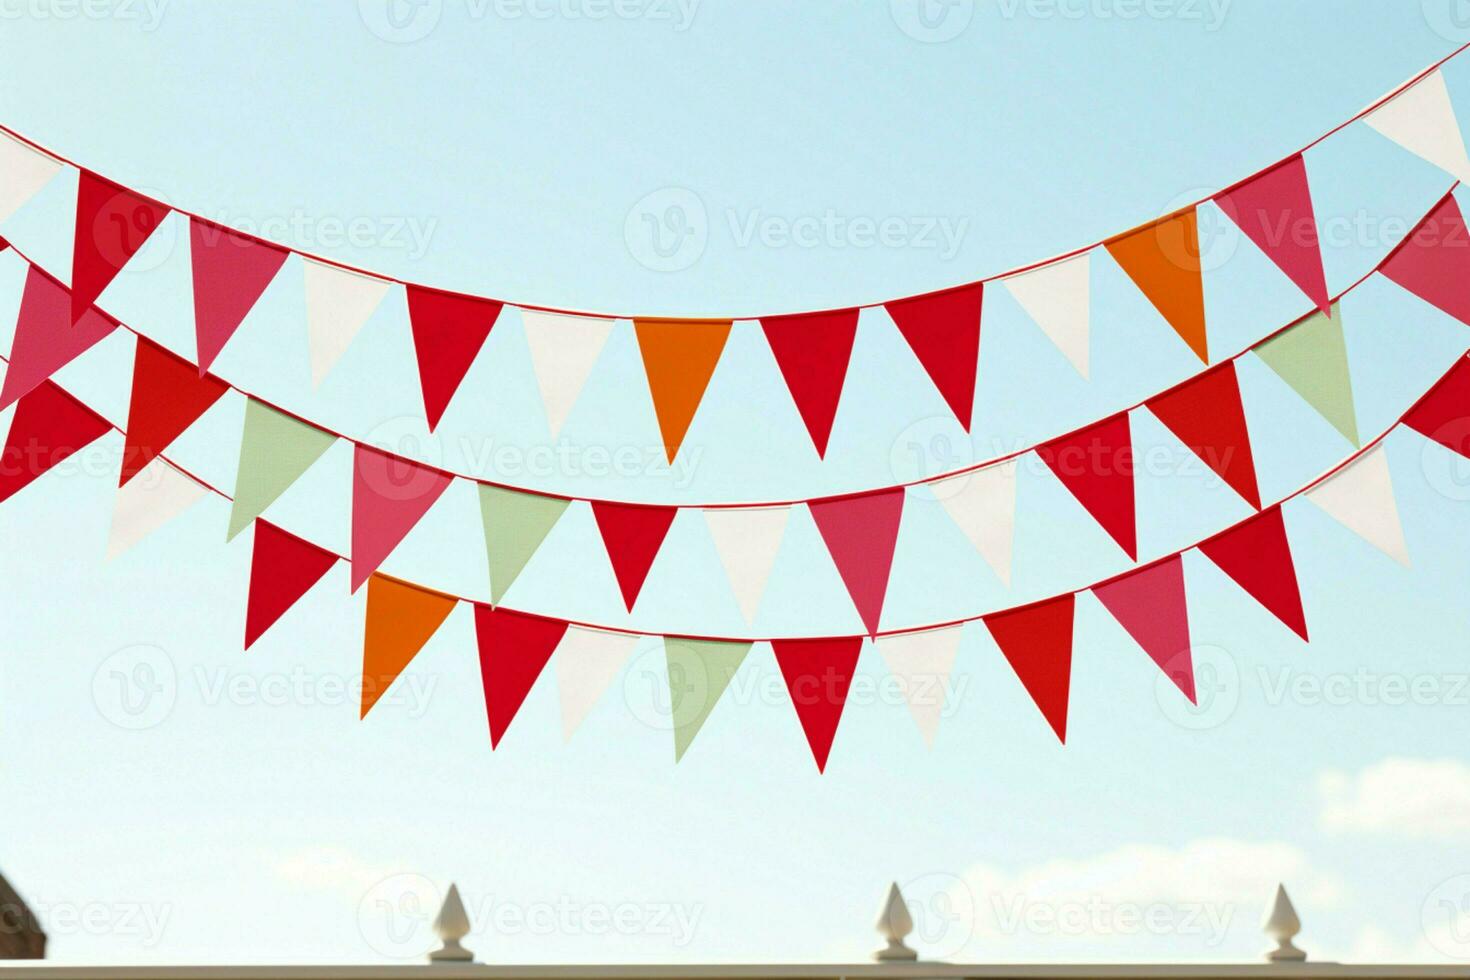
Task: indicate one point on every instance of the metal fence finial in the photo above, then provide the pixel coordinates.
(451, 925)
(1282, 925)
(894, 923)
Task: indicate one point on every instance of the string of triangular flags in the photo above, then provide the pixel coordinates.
(231, 270)
(1036, 639)
(390, 494)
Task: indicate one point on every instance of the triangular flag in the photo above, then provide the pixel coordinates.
(389, 495)
(1433, 262)
(861, 533)
(230, 272)
(1440, 414)
(400, 620)
(169, 394)
(699, 672)
(1162, 259)
(45, 339)
(112, 224)
(160, 494)
(747, 539)
(1149, 604)
(275, 450)
(632, 534)
(1037, 641)
(563, 350)
(24, 170)
(338, 303)
(1311, 357)
(944, 331)
(1274, 209)
(1361, 498)
(1058, 297)
(812, 350)
(1096, 465)
(448, 331)
(922, 663)
(514, 648)
(282, 568)
(48, 426)
(1206, 415)
(1257, 556)
(1421, 119)
(818, 676)
(983, 504)
(679, 357)
(515, 524)
(585, 664)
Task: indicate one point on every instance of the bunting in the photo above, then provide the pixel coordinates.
(1096, 465)
(699, 672)
(944, 331)
(747, 540)
(1433, 262)
(1443, 414)
(563, 350)
(283, 568)
(632, 534)
(1257, 556)
(1205, 413)
(157, 496)
(389, 495)
(1422, 120)
(679, 357)
(1274, 209)
(1037, 642)
(585, 664)
(514, 649)
(1360, 497)
(339, 302)
(983, 504)
(1149, 604)
(812, 350)
(1057, 296)
(861, 533)
(515, 524)
(169, 395)
(1311, 357)
(921, 663)
(230, 272)
(818, 676)
(448, 331)
(1163, 260)
(400, 620)
(45, 339)
(275, 449)
(112, 224)
(24, 170)
(48, 426)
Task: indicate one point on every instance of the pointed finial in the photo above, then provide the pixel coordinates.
(894, 922)
(451, 925)
(1282, 925)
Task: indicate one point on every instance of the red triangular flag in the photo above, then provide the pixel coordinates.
(861, 532)
(1206, 415)
(112, 224)
(1441, 413)
(45, 339)
(1433, 262)
(47, 427)
(231, 270)
(1037, 640)
(1257, 556)
(389, 495)
(1274, 209)
(169, 394)
(448, 331)
(632, 534)
(944, 331)
(282, 568)
(1096, 464)
(818, 675)
(514, 648)
(812, 351)
(1149, 604)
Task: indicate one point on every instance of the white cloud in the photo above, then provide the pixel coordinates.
(330, 868)
(1416, 798)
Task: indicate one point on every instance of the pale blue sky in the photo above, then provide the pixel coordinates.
(505, 147)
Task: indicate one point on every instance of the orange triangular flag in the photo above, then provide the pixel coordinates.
(679, 356)
(1162, 259)
(400, 620)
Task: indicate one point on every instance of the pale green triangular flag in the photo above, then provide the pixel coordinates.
(699, 672)
(515, 525)
(274, 451)
(1312, 358)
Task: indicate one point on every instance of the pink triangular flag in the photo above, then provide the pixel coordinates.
(45, 340)
(389, 495)
(861, 533)
(1433, 262)
(1149, 604)
(1274, 209)
(231, 270)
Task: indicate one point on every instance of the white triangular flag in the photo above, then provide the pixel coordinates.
(24, 170)
(1421, 119)
(983, 504)
(1361, 498)
(1057, 297)
(563, 349)
(338, 303)
(747, 539)
(922, 663)
(586, 661)
(157, 495)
